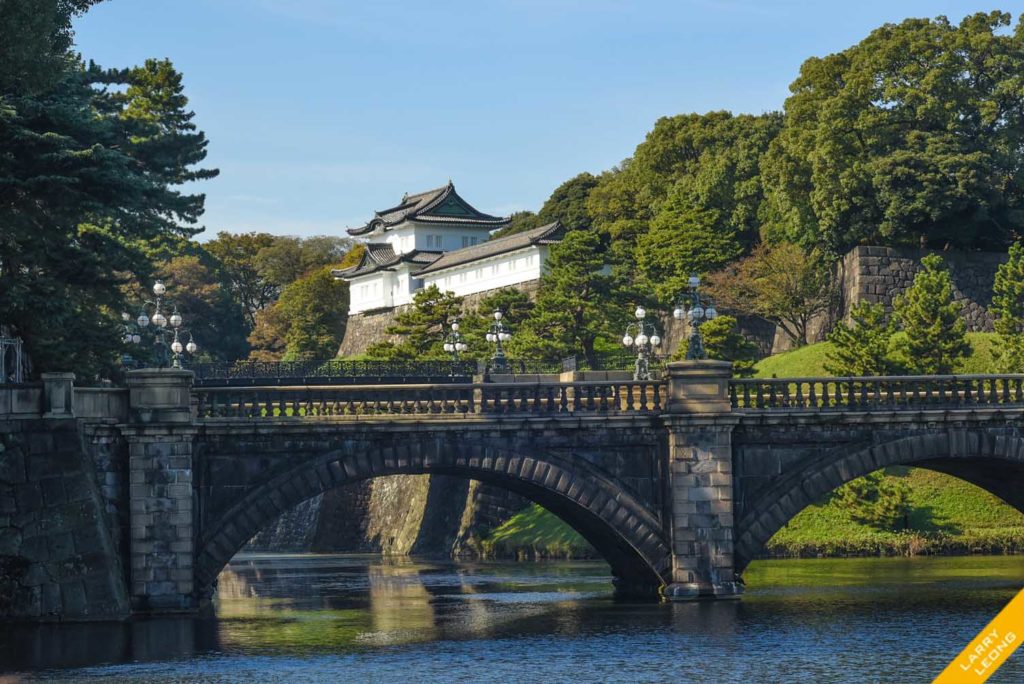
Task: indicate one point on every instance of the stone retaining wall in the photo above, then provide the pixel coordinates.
(878, 274)
(58, 556)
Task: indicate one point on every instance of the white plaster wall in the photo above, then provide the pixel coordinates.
(505, 270)
(374, 291)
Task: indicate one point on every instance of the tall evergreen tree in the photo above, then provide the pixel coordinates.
(572, 314)
(862, 346)
(1008, 309)
(421, 328)
(86, 185)
(936, 334)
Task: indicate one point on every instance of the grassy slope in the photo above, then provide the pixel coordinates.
(535, 533)
(948, 514)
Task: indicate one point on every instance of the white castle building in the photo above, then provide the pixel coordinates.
(437, 238)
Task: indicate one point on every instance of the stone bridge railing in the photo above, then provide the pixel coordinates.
(604, 397)
(870, 393)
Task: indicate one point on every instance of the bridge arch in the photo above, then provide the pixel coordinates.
(992, 460)
(619, 526)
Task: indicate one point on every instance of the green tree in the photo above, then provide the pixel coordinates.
(519, 222)
(936, 334)
(287, 258)
(712, 159)
(780, 283)
(684, 239)
(515, 306)
(421, 328)
(86, 185)
(912, 136)
(723, 341)
(35, 42)
(1008, 309)
(309, 319)
(876, 500)
(572, 312)
(861, 347)
(237, 254)
(213, 317)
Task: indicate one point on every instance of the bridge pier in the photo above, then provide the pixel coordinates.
(699, 419)
(161, 508)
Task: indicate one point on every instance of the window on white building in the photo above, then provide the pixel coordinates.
(433, 242)
(472, 241)
(463, 276)
(479, 274)
(495, 268)
(529, 260)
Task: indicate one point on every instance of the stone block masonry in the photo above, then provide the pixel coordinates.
(879, 274)
(58, 559)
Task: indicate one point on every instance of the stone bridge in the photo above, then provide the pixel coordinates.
(677, 483)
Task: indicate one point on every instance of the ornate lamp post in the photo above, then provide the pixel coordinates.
(643, 337)
(160, 322)
(497, 334)
(695, 310)
(453, 343)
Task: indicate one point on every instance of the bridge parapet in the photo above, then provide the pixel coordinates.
(868, 393)
(602, 397)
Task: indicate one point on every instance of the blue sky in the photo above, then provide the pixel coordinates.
(319, 111)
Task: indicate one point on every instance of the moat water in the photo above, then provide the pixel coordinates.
(305, 618)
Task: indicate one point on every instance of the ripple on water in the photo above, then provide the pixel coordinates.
(315, 618)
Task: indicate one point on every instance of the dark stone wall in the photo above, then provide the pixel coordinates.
(879, 274)
(58, 548)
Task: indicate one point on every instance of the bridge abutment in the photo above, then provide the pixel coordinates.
(699, 420)
(161, 493)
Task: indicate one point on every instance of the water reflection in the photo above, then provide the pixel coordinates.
(281, 618)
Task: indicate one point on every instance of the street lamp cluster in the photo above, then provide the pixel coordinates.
(643, 336)
(497, 334)
(695, 311)
(160, 329)
(453, 343)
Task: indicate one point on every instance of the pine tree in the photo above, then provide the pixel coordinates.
(1008, 309)
(515, 306)
(862, 347)
(936, 335)
(876, 500)
(421, 328)
(572, 315)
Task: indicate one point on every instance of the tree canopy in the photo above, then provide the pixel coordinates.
(912, 136)
(91, 173)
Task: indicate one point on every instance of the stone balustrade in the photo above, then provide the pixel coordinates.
(874, 393)
(625, 396)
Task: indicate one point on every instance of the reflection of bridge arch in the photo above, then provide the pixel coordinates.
(981, 456)
(621, 528)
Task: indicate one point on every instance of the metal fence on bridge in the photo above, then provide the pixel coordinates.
(377, 372)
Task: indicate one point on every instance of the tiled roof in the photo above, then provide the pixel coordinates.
(380, 256)
(545, 235)
(420, 205)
